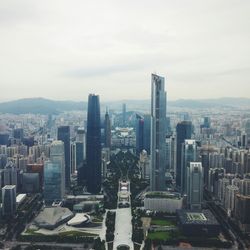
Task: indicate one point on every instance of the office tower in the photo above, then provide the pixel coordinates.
(18, 134)
(9, 200)
(76, 156)
(124, 114)
(147, 133)
(30, 183)
(4, 138)
(207, 122)
(81, 137)
(189, 154)
(168, 153)
(107, 131)
(183, 132)
(63, 134)
(168, 126)
(54, 173)
(139, 134)
(72, 157)
(39, 169)
(158, 133)
(194, 185)
(93, 149)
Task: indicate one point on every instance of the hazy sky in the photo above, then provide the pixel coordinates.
(66, 49)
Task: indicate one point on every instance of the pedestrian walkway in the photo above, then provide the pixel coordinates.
(123, 221)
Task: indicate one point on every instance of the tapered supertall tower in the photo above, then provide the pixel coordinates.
(93, 147)
(158, 133)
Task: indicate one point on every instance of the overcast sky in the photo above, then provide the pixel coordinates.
(66, 49)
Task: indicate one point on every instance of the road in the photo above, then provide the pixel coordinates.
(238, 242)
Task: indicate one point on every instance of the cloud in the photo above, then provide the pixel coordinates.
(47, 46)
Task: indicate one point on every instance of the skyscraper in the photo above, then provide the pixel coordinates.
(63, 134)
(158, 133)
(9, 200)
(81, 137)
(147, 133)
(93, 149)
(139, 134)
(183, 132)
(194, 185)
(54, 173)
(124, 114)
(107, 131)
(189, 154)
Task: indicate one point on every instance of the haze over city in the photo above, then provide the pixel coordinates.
(63, 50)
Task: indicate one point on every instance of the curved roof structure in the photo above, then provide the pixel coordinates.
(78, 219)
(51, 217)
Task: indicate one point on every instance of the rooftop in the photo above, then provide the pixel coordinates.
(163, 195)
(204, 217)
(51, 216)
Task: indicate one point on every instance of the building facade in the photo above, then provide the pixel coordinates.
(158, 133)
(54, 174)
(194, 185)
(63, 134)
(183, 132)
(93, 149)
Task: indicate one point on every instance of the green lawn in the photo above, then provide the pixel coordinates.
(77, 233)
(162, 222)
(159, 236)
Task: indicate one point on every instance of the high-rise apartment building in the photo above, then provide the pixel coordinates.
(183, 132)
(63, 134)
(93, 149)
(158, 133)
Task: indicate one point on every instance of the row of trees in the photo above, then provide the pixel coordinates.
(138, 235)
(110, 225)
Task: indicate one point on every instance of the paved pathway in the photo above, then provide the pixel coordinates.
(123, 224)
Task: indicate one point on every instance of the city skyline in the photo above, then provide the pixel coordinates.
(65, 53)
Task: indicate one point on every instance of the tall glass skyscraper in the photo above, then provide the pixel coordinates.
(147, 133)
(139, 134)
(54, 173)
(93, 147)
(158, 133)
(183, 132)
(63, 134)
(189, 154)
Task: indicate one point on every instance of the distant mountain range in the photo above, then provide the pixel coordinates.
(46, 106)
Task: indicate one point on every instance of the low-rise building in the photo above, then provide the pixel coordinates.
(194, 223)
(163, 202)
